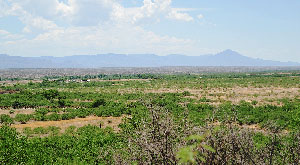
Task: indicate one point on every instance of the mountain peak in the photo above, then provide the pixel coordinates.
(228, 51)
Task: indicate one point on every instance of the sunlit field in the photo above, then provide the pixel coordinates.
(216, 118)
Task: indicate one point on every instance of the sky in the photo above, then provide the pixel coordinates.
(266, 29)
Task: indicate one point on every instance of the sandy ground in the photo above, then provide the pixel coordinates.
(269, 95)
(112, 122)
(8, 82)
(17, 111)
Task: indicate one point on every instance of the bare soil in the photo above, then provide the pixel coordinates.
(269, 95)
(112, 122)
(17, 111)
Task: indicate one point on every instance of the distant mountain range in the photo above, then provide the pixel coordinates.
(225, 58)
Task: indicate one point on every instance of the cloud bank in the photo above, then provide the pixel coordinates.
(68, 27)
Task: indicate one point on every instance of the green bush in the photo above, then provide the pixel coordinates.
(42, 111)
(53, 117)
(68, 116)
(6, 119)
(23, 118)
(98, 102)
(40, 130)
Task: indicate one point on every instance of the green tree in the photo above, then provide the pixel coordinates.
(98, 102)
(50, 94)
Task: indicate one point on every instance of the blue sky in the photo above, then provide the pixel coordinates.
(267, 29)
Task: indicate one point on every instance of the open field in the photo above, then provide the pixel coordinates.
(228, 117)
(112, 122)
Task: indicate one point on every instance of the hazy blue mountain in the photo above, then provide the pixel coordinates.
(225, 58)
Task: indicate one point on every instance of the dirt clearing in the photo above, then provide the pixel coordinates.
(112, 122)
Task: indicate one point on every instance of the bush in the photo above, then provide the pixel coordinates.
(54, 130)
(50, 94)
(39, 117)
(82, 113)
(53, 117)
(186, 93)
(40, 130)
(62, 102)
(6, 119)
(254, 102)
(42, 111)
(23, 118)
(68, 116)
(27, 131)
(18, 104)
(98, 103)
(98, 112)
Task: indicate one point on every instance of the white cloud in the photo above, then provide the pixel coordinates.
(174, 14)
(200, 16)
(43, 8)
(151, 10)
(3, 32)
(5, 35)
(88, 12)
(30, 20)
(64, 9)
(93, 26)
(93, 40)
(93, 12)
(2, 7)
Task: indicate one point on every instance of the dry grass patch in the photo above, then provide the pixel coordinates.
(27, 111)
(262, 95)
(112, 122)
(99, 80)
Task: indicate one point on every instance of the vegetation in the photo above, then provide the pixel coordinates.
(232, 118)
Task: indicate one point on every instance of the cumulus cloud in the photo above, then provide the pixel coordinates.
(174, 14)
(43, 8)
(93, 40)
(88, 12)
(92, 26)
(32, 22)
(151, 10)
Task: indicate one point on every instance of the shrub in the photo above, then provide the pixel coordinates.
(18, 104)
(68, 116)
(186, 93)
(22, 118)
(82, 113)
(98, 103)
(54, 130)
(27, 131)
(40, 130)
(50, 94)
(42, 111)
(254, 102)
(39, 117)
(5, 119)
(98, 112)
(70, 130)
(54, 117)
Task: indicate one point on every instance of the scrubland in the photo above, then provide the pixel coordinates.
(213, 118)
